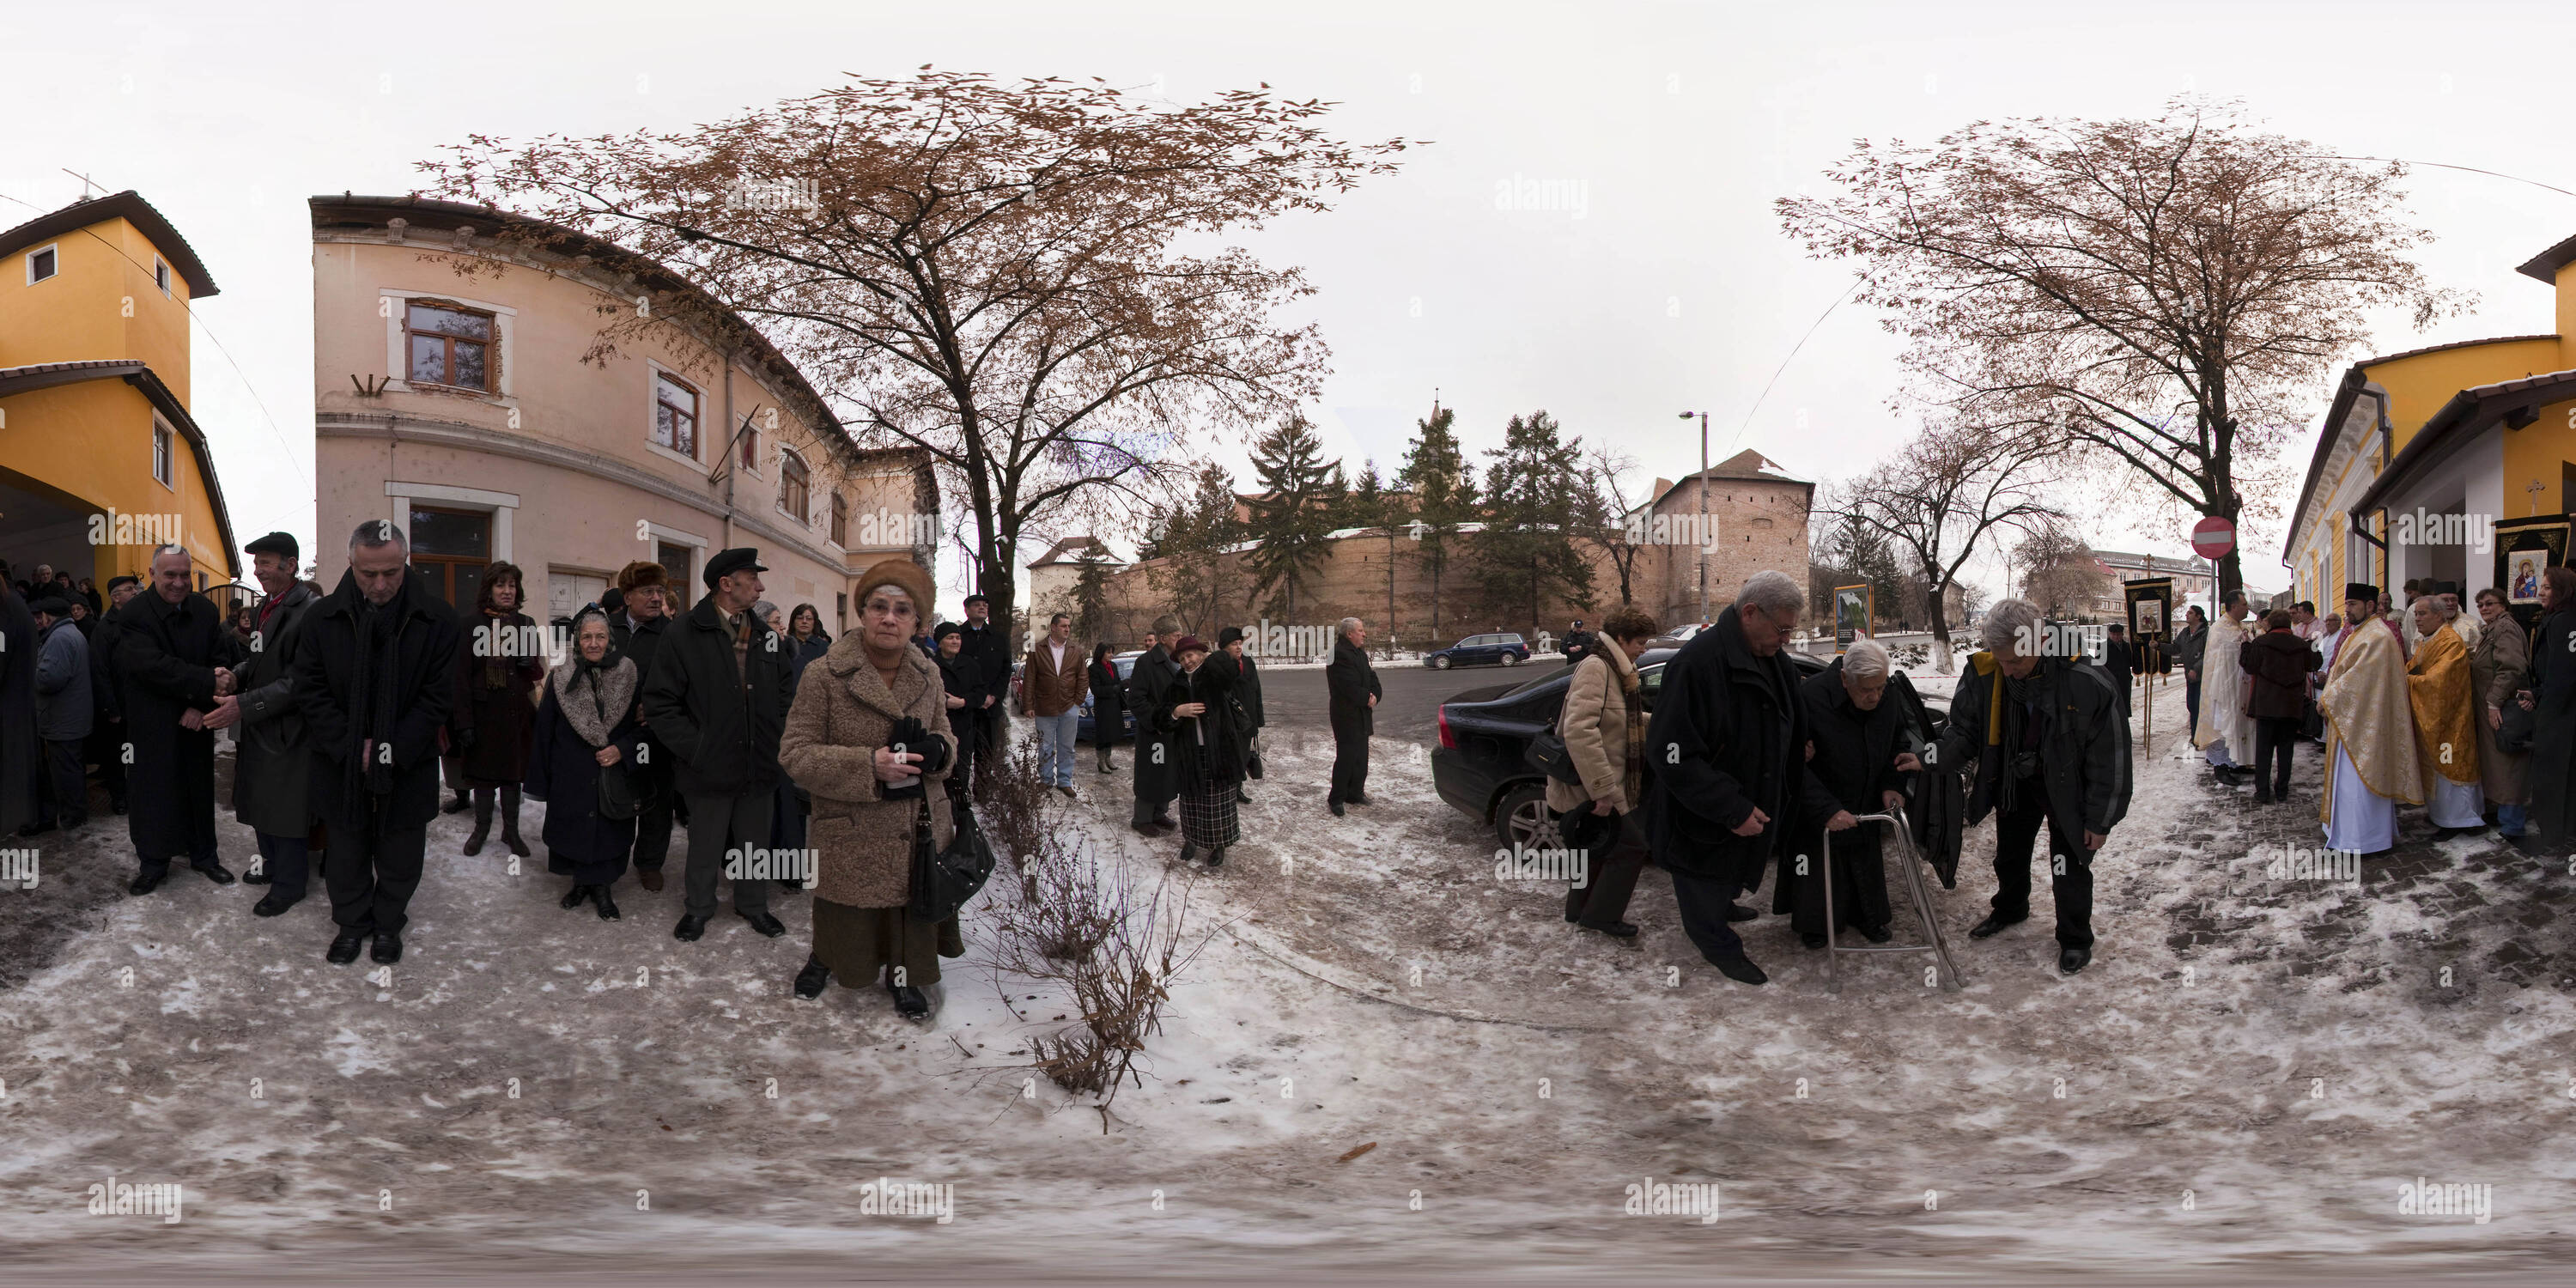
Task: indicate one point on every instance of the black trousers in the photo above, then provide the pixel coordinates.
(372, 873)
(1703, 902)
(2070, 865)
(990, 725)
(107, 748)
(2274, 734)
(288, 862)
(1615, 861)
(1860, 882)
(720, 828)
(64, 799)
(1350, 763)
(653, 825)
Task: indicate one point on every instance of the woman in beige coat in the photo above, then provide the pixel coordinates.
(1603, 723)
(836, 747)
(2497, 667)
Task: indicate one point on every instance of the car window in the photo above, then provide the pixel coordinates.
(1511, 640)
(1650, 681)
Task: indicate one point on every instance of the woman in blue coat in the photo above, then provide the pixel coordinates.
(586, 724)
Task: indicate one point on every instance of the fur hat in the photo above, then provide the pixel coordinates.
(912, 578)
(639, 573)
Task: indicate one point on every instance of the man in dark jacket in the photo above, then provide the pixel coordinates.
(106, 691)
(2277, 665)
(1353, 685)
(2187, 647)
(62, 715)
(2050, 745)
(988, 642)
(374, 677)
(1732, 790)
(22, 754)
(2120, 663)
(176, 654)
(1158, 770)
(1247, 694)
(272, 771)
(717, 698)
(1577, 642)
(636, 630)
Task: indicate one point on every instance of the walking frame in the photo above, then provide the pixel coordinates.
(1911, 860)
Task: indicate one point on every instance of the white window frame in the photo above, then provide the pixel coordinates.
(165, 453)
(654, 371)
(505, 327)
(502, 506)
(54, 249)
(161, 275)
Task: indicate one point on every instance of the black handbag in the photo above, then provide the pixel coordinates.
(1547, 754)
(2520, 724)
(623, 793)
(944, 880)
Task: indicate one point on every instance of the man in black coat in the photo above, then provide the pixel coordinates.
(1158, 770)
(107, 693)
(1353, 685)
(1247, 694)
(22, 763)
(635, 630)
(272, 771)
(1728, 749)
(988, 643)
(2050, 746)
(375, 678)
(717, 699)
(175, 653)
(1578, 641)
(2120, 664)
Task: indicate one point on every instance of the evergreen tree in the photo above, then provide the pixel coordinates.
(1198, 578)
(1526, 552)
(1292, 521)
(1091, 595)
(1444, 496)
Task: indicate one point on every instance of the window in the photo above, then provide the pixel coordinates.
(840, 611)
(750, 450)
(793, 490)
(675, 415)
(448, 346)
(42, 264)
(450, 549)
(161, 275)
(161, 452)
(840, 520)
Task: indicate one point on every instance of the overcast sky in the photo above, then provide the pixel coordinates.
(1666, 285)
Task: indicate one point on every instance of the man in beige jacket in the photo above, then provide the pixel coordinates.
(1603, 724)
(1051, 689)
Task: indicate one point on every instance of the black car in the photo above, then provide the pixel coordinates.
(1481, 764)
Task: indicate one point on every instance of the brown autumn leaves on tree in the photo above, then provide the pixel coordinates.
(1024, 279)
(2165, 295)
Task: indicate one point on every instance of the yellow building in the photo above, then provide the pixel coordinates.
(2455, 463)
(99, 459)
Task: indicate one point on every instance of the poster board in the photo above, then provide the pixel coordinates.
(2151, 609)
(2524, 548)
(1854, 615)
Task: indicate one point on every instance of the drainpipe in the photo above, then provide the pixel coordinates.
(732, 468)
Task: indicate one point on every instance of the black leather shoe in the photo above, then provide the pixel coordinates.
(1166, 822)
(1188, 852)
(255, 877)
(35, 829)
(768, 925)
(1994, 921)
(147, 882)
(388, 949)
(607, 907)
(811, 980)
(345, 946)
(911, 1002)
(1616, 929)
(459, 805)
(1335, 806)
(1740, 969)
(1216, 857)
(215, 872)
(1362, 799)
(574, 898)
(1813, 942)
(2071, 960)
(1144, 829)
(117, 805)
(689, 929)
(2262, 795)
(1738, 912)
(271, 905)
(1874, 934)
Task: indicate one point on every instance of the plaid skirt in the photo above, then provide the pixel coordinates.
(1207, 817)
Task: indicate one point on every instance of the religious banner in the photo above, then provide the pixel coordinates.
(1853, 615)
(2150, 602)
(2524, 548)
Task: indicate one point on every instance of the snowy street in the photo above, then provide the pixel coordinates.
(2245, 1076)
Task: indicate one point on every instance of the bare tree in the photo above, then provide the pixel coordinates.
(2164, 293)
(989, 271)
(1600, 514)
(1937, 499)
(2060, 572)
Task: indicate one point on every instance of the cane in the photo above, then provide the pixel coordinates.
(1911, 860)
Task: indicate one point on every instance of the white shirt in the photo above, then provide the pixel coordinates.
(1056, 651)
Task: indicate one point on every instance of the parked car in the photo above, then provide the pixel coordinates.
(1677, 636)
(1479, 650)
(1481, 767)
(1082, 726)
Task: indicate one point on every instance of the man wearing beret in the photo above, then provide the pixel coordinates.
(272, 770)
(717, 698)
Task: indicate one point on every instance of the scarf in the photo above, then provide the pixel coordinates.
(595, 696)
(373, 703)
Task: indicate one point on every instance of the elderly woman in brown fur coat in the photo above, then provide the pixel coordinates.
(869, 799)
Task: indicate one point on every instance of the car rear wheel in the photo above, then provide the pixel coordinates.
(1522, 821)
(1440, 664)
(1511, 659)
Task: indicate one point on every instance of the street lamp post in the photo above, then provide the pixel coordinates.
(1702, 540)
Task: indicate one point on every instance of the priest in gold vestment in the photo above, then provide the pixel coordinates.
(2371, 760)
(2440, 693)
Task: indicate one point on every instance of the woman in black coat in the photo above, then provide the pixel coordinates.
(1865, 755)
(1247, 701)
(497, 673)
(586, 724)
(1199, 719)
(2553, 695)
(963, 678)
(1108, 704)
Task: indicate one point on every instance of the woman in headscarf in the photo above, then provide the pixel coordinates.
(1108, 705)
(963, 679)
(1196, 714)
(585, 725)
(497, 672)
(872, 690)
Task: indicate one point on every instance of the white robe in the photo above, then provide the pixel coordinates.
(2226, 727)
(2364, 821)
(2456, 804)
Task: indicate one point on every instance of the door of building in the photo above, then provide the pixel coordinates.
(449, 550)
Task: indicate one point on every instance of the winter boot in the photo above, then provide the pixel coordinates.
(482, 820)
(510, 822)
